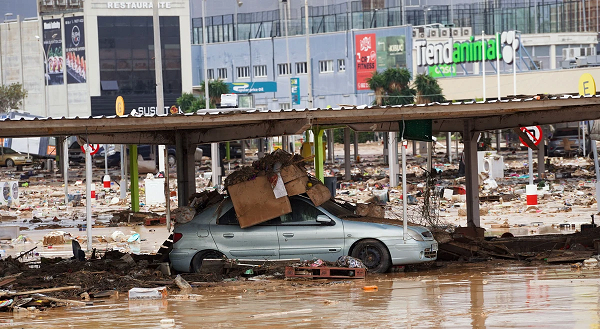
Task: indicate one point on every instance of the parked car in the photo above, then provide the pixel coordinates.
(567, 137)
(325, 232)
(11, 158)
(235, 150)
(75, 153)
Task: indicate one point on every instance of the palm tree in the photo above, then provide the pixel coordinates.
(428, 89)
(392, 87)
(215, 89)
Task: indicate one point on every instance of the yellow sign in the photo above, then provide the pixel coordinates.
(174, 109)
(587, 85)
(120, 106)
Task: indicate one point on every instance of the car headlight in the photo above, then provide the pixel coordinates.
(415, 235)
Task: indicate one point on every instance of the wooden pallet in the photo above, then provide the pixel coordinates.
(325, 272)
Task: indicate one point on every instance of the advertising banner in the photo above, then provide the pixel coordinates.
(391, 52)
(53, 51)
(252, 87)
(295, 87)
(75, 50)
(442, 70)
(366, 59)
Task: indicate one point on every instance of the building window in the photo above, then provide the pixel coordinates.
(243, 72)
(284, 106)
(222, 73)
(127, 59)
(211, 74)
(284, 69)
(301, 68)
(260, 71)
(341, 65)
(326, 66)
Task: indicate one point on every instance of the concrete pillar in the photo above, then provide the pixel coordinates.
(393, 158)
(261, 147)
(414, 147)
(347, 165)
(186, 180)
(355, 145)
(243, 142)
(498, 140)
(386, 159)
(429, 156)
(540, 158)
(330, 145)
(552, 57)
(471, 176)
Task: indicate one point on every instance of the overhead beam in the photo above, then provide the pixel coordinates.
(265, 129)
(137, 138)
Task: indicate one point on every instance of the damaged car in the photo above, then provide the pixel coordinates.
(308, 232)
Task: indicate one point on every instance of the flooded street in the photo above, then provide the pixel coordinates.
(485, 295)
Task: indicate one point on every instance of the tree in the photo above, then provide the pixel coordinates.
(190, 103)
(11, 97)
(215, 89)
(428, 89)
(392, 87)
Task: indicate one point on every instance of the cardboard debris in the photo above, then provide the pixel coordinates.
(318, 194)
(255, 202)
(296, 186)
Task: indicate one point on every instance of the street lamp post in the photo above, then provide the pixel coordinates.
(46, 76)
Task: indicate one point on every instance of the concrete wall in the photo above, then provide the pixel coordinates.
(21, 61)
(333, 88)
(530, 83)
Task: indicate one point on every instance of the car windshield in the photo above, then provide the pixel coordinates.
(338, 210)
(565, 132)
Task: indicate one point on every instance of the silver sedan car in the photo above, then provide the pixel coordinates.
(308, 232)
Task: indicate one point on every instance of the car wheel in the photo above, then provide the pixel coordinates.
(199, 257)
(171, 160)
(10, 163)
(373, 254)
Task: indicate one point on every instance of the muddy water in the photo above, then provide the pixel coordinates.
(480, 296)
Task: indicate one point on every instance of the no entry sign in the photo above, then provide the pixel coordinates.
(93, 147)
(534, 133)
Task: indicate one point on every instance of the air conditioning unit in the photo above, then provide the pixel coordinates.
(467, 31)
(61, 2)
(434, 33)
(75, 3)
(48, 2)
(422, 35)
(415, 33)
(445, 32)
(455, 32)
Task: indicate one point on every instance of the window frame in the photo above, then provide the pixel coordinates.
(286, 68)
(262, 69)
(341, 64)
(220, 71)
(326, 66)
(303, 65)
(244, 69)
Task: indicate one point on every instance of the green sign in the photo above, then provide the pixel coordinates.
(443, 70)
(416, 130)
(391, 52)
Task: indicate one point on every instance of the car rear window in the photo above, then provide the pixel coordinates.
(565, 132)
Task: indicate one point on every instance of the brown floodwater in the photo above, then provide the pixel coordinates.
(484, 295)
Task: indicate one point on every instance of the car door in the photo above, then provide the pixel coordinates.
(256, 242)
(302, 236)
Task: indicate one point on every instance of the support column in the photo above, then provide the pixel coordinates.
(88, 195)
(414, 148)
(393, 158)
(498, 140)
(355, 145)
(330, 145)
(186, 180)
(215, 161)
(429, 156)
(65, 165)
(243, 142)
(541, 162)
(471, 177)
(347, 165)
(135, 187)
(123, 183)
(261, 148)
(319, 154)
(386, 159)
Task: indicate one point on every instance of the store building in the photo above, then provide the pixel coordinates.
(77, 57)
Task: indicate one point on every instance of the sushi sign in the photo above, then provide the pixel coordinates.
(75, 50)
(53, 52)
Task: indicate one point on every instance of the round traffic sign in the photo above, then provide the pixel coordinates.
(534, 133)
(120, 106)
(94, 147)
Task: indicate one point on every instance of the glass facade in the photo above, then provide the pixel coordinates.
(527, 16)
(126, 54)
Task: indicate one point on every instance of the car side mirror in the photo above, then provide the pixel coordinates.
(323, 219)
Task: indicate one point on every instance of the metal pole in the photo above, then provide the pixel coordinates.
(106, 159)
(595, 150)
(347, 165)
(449, 146)
(88, 195)
(160, 100)
(514, 68)
(167, 195)
(483, 61)
(496, 35)
(308, 58)
(404, 194)
(214, 147)
(66, 168)
(530, 163)
(583, 15)
(287, 52)
(403, 13)
(583, 126)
